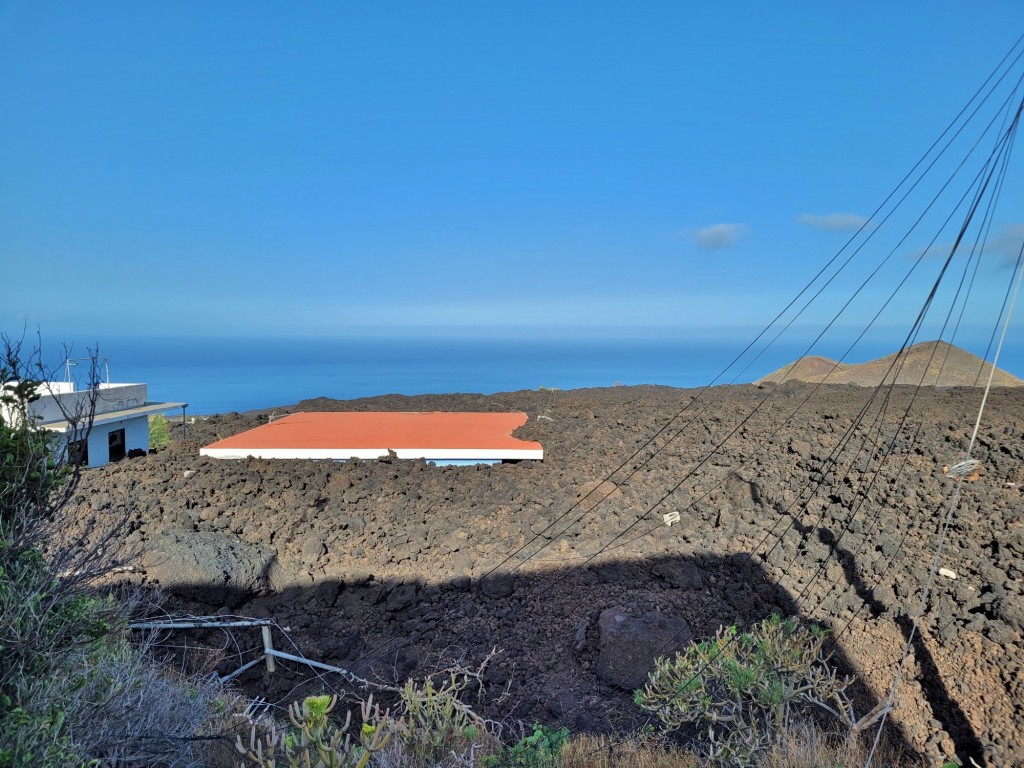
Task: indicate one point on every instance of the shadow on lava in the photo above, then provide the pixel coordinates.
(544, 623)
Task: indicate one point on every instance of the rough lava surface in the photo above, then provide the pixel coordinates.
(823, 501)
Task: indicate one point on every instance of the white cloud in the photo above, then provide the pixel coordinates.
(719, 235)
(832, 221)
(1007, 243)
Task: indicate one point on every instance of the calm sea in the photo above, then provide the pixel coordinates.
(221, 375)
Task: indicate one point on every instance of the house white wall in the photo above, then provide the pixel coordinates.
(136, 435)
(55, 401)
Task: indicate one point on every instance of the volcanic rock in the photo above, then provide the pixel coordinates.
(628, 645)
(214, 568)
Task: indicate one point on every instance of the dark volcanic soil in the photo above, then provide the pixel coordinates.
(379, 566)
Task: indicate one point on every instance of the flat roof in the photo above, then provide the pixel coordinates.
(109, 416)
(436, 436)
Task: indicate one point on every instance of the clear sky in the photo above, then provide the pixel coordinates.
(328, 168)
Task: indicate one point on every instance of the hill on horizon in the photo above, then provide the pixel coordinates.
(928, 363)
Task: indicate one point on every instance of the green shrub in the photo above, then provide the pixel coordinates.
(315, 741)
(436, 723)
(74, 689)
(159, 432)
(744, 690)
(35, 613)
(541, 749)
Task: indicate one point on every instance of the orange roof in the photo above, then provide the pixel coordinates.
(434, 435)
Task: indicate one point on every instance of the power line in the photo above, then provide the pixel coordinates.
(610, 477)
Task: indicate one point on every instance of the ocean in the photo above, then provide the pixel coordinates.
(220, 375)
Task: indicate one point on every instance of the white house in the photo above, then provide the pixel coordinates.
(120, 423)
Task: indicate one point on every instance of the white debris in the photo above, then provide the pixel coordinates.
(965, 468)
(947, 573)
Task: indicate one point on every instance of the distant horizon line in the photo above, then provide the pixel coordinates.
(512, 333)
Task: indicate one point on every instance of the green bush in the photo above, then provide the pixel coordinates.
(315, 741)
(541, 749)
(74, 689)
(159, 432)
(436, 723)
(744, 690)
(34, 611)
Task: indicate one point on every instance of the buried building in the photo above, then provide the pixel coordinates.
(442, 437)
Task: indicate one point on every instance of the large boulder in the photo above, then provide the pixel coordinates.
(628, 645)
(214, 568)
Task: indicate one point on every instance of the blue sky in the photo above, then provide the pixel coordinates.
(342, 169)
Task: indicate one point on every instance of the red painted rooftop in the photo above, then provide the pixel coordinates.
(435, 435)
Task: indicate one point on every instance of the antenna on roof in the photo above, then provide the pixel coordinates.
(74, 361)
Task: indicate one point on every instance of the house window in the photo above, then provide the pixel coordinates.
(115, 439)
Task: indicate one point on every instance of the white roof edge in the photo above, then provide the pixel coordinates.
(429, 454)
(128, 413)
